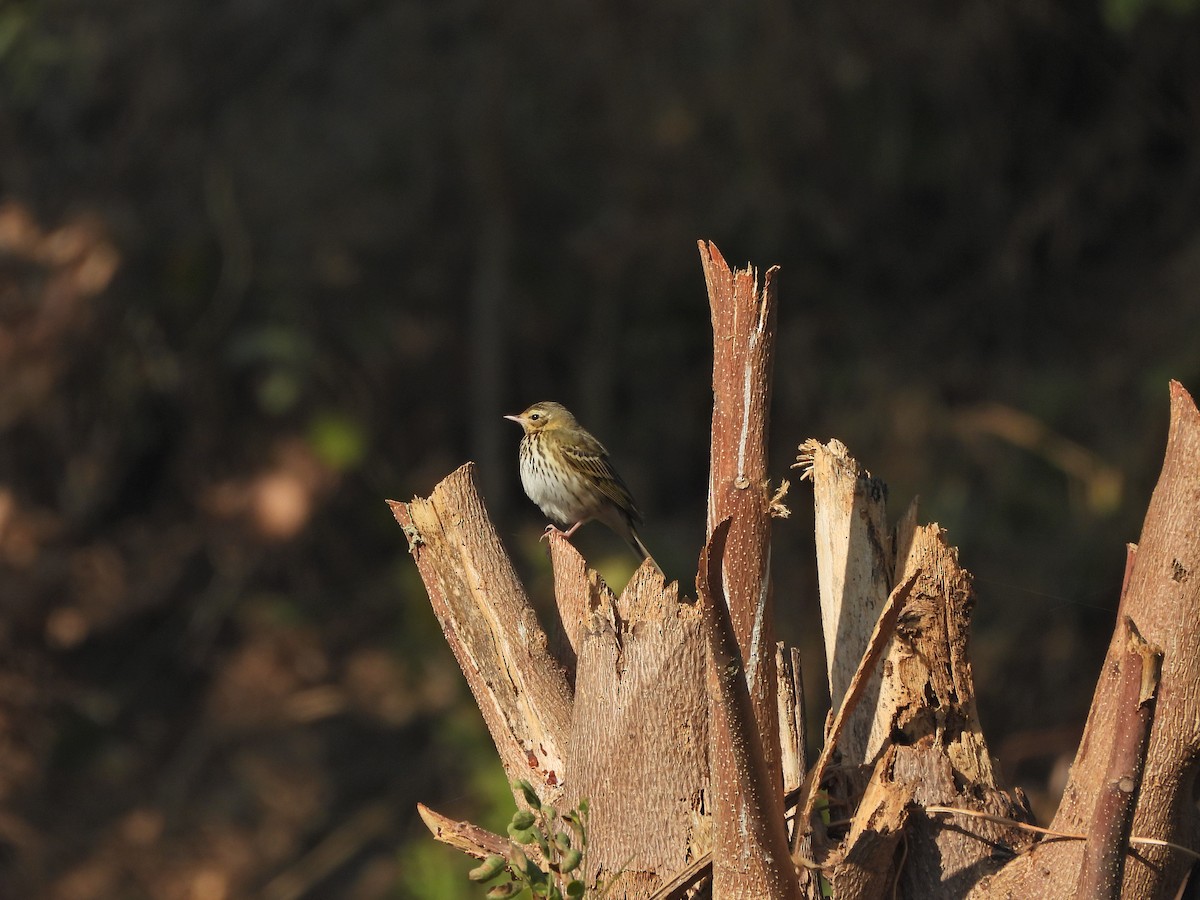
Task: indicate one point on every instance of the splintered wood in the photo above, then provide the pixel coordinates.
(854, 572)
(923, 692)
(683, 723)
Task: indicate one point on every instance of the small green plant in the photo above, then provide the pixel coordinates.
(562, 852)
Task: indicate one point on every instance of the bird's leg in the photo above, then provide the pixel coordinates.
(554, 529)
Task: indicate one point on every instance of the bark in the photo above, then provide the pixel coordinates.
(470, 839)
(1103, 867)
(640, 728)
(753, 861)
(1163, 595)
(578, 593)
(493, 631)
(743, 321)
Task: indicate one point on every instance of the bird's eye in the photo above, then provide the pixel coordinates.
(535, 417)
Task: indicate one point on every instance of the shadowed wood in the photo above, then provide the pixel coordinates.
(1103, 868)
(865, 866)
(1163, 593)
(793, 736)
(752, 861)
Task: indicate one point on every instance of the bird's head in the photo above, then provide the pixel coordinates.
(544, 415)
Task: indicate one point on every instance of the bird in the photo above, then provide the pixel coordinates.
(566, 472)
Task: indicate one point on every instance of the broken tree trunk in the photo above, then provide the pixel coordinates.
(640, 728)
(682, 721)
(855, 569)
(630, 734)
(748, 837)
(916, 739)
(491, 627)
(620, 707)
(1163, 599)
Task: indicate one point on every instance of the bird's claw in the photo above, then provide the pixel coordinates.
(550, 529)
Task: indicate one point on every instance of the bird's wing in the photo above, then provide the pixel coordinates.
(589, 456)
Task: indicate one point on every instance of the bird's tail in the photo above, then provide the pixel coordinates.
(639, 548)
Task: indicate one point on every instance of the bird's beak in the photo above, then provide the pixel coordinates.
(516, 419)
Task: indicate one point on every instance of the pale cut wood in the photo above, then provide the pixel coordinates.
(641, 725)
(902, 538)
(751, 861)
(877, 643)
(1163, 597)
(493, 631)
(854, 577)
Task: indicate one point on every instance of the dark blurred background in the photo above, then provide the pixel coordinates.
(266, 263)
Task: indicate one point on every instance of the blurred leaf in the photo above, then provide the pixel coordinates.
(279, 391)
(433, 871)
(1123, 15)
(273, 343)
(13, 22)
(338, 440)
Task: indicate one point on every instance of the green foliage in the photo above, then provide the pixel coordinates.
(562, 852)
(29, 52)
(429, 871)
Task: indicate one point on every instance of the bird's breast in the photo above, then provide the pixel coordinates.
(560, 492)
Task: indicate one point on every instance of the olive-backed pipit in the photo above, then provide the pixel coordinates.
(566, 472)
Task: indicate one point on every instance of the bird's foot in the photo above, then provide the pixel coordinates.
(554, 529)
